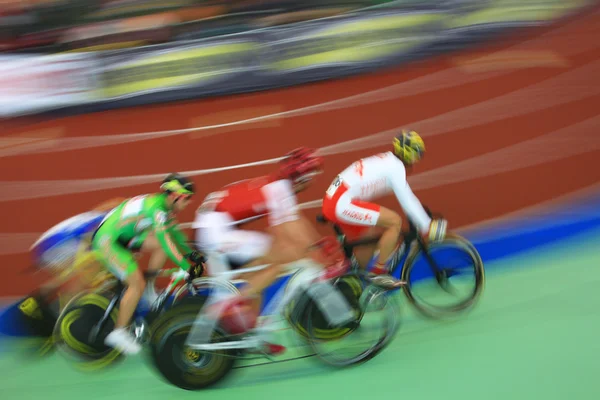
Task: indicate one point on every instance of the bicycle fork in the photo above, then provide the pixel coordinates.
(97, 328)
(440, 275)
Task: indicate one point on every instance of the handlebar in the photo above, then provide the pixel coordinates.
(196, 270)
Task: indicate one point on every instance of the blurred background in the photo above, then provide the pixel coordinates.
(108, 50)
(50, 26)
(53, 26)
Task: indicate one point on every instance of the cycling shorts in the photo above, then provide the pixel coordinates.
(217, 234)
(355, 217)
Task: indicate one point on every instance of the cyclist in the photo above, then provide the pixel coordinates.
(291, 237)
(144, 222)
(347, 202)
(63, 251)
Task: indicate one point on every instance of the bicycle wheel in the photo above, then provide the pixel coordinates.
(185, 306)
(184, 367)
(456, 288)
(74, 325)
(375, 324)
(296, 312)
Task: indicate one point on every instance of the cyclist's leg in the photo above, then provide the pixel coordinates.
(389, 241)
(222, 243)
(364, 216)
(217, 235)
(285, 249)
(79, 275)
(218, 238)
(122, 264)
(85, 273)
(249, 248)
(148, 243)
(246, 249)
(211, 229)
(262, 249)
(363, 254)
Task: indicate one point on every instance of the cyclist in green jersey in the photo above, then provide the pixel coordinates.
(144, 223)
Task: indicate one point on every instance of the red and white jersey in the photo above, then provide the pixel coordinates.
(377, 176)
(252, 198)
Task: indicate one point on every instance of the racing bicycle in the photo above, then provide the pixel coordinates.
(90, 316)
(452, 265)
(212, 352)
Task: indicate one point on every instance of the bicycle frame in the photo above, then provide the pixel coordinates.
(200, 340)
(408, 237)
(119, 290)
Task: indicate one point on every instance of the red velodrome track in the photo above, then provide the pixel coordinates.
(507, 127)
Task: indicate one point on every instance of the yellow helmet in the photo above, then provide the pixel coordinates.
(409, 147)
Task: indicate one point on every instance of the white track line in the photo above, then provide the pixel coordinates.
(39, 189)
(576, 139)
(17, 243)
(579, 138)
(572, 140)
(570, 86)
(436, 81)
(566, 87)
(427, 83)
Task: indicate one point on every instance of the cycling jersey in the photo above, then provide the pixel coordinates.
(252, 198)
(130, 222)
(346, 201)
(234, 204)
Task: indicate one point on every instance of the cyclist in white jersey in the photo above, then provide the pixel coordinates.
(347, 202)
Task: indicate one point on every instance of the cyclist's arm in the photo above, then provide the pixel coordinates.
(180, 239)
(409, 202)
(159, 220)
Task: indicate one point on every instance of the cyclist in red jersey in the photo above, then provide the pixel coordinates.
(290, 237)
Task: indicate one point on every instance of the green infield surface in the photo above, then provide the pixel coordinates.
(534, 335)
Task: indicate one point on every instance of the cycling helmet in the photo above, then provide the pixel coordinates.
(301, 165)
(409, 147)
(176, 183)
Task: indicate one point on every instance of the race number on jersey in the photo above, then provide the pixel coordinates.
(334, 185)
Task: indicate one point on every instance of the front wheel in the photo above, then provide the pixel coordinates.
(454, 282)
